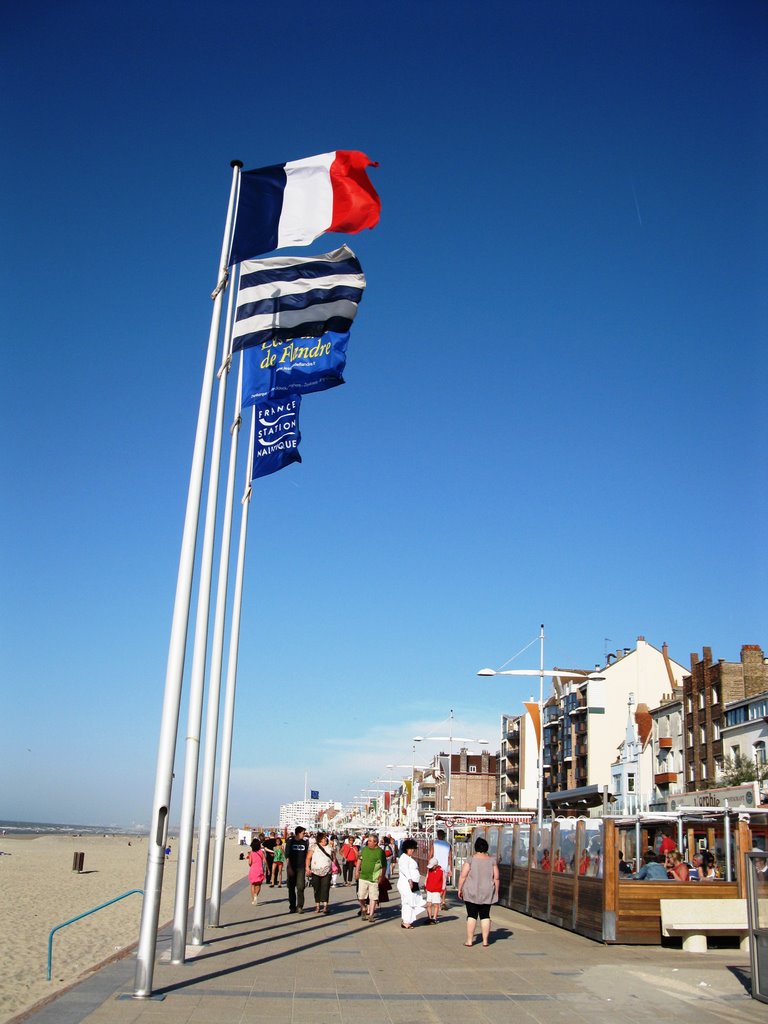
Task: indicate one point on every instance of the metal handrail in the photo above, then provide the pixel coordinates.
(79, 916)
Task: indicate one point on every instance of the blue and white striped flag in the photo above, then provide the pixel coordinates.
(287, 297)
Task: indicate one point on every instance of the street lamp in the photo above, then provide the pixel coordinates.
(451, 740)
(540, 730)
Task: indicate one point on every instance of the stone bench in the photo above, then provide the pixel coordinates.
(696, 919)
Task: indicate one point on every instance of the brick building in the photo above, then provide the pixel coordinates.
(706, 691)
(471, 778)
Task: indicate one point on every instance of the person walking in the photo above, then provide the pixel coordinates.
(479, 888)
(371, 865)
(412, 902)
(296, 869)
(257, 869)
(349, 858)
(441, 849)
(434, 885)
(319, 865)
(278, 860)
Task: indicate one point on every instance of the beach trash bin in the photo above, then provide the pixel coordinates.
(78, 860)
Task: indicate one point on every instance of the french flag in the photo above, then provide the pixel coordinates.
(296, 202)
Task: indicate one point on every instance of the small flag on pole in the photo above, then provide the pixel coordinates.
(314, 794)
(288, 297)
(296, 202)
(277, 436)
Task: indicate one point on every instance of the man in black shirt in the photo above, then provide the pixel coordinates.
(268, 846)
(295, 869)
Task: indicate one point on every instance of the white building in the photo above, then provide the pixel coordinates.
(304, 813)
(585, 723)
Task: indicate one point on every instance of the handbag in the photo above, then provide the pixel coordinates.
(414, 886)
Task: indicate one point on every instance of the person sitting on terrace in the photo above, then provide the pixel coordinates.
(653, 869)
(696, 868)
(677, 869)
(559, 863)
(624, 867)
(545, 863)
(710, 872)
(584, 863)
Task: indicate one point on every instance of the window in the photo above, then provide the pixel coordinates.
(702, 734)
(473, 768)
(735, 750)
(631, 783)
(715, 695)
(690, 737)
(690, 773)
(715, 730)
(759, 749)
(688, 705)
(703, 772)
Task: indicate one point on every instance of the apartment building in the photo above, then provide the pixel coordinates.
(709, 688)
(517, 787)
(668, 749)
(585, 724)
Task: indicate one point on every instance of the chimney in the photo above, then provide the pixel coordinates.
(463, 761)
(484, 762)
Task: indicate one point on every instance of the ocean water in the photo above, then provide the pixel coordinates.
(48, 828)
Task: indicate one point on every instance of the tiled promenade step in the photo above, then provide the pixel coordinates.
(265, 964)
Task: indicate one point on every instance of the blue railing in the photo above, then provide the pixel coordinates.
(79, 917)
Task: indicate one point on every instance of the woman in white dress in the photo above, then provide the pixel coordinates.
(412, 903)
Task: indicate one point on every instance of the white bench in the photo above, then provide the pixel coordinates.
(696, 919)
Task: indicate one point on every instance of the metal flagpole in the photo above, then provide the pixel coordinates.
(169, 723)
(214, 684)
(229, 698)
(199, 653)
(541, 727)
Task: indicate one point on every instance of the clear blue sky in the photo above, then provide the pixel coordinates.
(555, 398)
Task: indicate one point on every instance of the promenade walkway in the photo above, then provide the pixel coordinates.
(265, 964)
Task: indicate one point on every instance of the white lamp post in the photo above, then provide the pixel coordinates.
(540, 673)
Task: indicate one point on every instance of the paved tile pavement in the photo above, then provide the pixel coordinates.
(265, 963)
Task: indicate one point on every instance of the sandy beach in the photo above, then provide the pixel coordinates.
(39, 889)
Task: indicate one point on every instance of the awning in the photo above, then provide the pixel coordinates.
(578, 799)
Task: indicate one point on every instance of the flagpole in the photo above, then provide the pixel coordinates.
(214, 685)
(169, 722)
(229, 696)
(199, 653)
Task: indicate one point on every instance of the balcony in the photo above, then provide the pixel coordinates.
(665, 742)
(665, 778)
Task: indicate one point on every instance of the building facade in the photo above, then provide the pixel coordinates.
(710, 687)
(585, 723)
(517, 786)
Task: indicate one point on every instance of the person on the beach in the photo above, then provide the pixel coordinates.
(257, 868)
(479, 888)
(295, 869)
(278, 859)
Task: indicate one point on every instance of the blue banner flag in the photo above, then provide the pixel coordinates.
(289, 297)
(315, 794)
(297, 367)
(277, 436)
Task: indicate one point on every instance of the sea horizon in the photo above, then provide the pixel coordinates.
(24, 828)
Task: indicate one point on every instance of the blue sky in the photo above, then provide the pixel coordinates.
(554, 409)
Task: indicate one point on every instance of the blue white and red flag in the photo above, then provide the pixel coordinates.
(296, 202)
